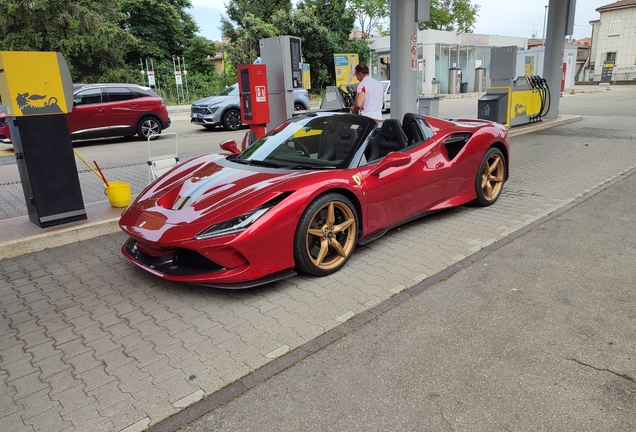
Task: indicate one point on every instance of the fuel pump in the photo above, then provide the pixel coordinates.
(511, 100)
(252, 81)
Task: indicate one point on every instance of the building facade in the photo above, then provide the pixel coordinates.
(613, 53)
(439, 53)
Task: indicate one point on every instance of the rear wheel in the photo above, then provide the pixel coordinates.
(232, 119)
(326, 235)
(148, 126)
(299, 107)
(490, 177)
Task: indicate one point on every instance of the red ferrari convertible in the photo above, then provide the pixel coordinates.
(303, 196)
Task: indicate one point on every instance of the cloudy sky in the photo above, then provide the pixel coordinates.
(496, 17)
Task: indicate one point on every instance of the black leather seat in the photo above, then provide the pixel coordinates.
(411, 129)
(326, 151)
(391, 138)
(340, 143)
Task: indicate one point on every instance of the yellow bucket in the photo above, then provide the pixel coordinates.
(118, 193)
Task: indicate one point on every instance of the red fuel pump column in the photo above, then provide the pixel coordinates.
(254, 102)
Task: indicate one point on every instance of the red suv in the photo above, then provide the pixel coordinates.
(110, 110)
(5, 137)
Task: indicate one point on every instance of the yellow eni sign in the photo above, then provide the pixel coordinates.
(35, 83)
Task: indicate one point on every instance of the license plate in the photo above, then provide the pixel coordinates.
(195, 115)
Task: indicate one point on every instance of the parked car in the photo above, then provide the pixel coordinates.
(304, 195)
(5, 135)
(225, 108)
(109, 110)
(387, 95)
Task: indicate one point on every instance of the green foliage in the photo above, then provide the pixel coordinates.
(87, 32)
(244, 40)
(452, 15)
(160, 28)
(197, 52)
(369, 14)
(105, 40)
(263, 10)
(320, 41)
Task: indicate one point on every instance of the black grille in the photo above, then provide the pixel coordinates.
(199, 110)
(182, 262)
(194, 261)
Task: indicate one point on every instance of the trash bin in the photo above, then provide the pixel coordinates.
(464, 88)
(435, 83)
(428, 106)
(454, 80)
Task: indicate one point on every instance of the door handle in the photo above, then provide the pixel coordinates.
(134, 106)
(100, 109)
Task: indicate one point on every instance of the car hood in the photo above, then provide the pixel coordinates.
(212, 189)
(214, 100)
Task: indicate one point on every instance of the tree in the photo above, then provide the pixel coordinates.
(263, 9)
(369, 15)
(160, 28)
(243, 47)
(335, 15)
(86, 32)
(319, 42)
(197, 53)
(452, 15)
(247, 22)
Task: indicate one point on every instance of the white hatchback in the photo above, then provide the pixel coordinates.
(387, 95)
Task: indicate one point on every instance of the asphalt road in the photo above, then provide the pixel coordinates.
(537, 335)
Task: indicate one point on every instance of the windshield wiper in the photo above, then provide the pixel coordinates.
(313, 167)
(257, 163)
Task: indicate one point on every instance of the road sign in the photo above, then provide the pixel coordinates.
(413, 38)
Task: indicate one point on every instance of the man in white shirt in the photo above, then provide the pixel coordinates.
(369, 94)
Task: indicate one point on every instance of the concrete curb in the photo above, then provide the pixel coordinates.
(546, 124)
(58, 237)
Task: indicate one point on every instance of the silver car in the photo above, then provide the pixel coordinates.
(225, 109)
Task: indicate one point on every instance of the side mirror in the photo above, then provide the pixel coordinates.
(248, 140)
(392, 160)
(230, 145)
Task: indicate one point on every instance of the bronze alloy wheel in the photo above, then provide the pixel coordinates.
(331, 235)
(490, 177)
(326, 235)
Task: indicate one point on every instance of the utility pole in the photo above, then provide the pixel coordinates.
(545, 17)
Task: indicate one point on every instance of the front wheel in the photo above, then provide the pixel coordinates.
(490, 177)
(299, 107)
(232, 119)
(147, 127)
(326, 235)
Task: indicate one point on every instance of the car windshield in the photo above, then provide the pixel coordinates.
(230, 91)
(310, 142)
(385, 84)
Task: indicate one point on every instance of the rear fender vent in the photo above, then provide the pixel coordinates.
(455, 143)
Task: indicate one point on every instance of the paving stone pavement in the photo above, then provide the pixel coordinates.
(88, 342)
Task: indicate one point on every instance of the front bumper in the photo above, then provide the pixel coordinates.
(201, 116)
(189, 266)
